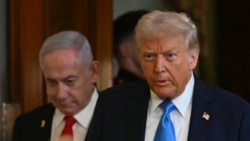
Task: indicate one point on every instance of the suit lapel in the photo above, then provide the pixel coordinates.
(200, 114)
(45, 123)
(137, 112)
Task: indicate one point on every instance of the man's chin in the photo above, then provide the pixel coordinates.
(67, 110)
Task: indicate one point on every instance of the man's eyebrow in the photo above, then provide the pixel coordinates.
(69, 77)
(48, 78)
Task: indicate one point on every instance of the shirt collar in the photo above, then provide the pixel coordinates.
(181, 102)
(84, 116)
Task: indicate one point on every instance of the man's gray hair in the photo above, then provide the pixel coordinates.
(68, 39)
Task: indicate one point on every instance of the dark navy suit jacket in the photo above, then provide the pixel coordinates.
(121, 114)
(34, 125)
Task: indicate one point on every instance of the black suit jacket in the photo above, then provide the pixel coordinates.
(34, 125)
(121, 114)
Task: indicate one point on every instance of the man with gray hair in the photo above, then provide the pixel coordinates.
(70, 75)
(172, 104)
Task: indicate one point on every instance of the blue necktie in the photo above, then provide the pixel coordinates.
(165, 129)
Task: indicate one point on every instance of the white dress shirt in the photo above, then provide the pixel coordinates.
(83, 119)
(180, 116)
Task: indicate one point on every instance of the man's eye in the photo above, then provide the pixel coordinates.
(148, 56)
(69, 82)
(170, 55)
(51, 82)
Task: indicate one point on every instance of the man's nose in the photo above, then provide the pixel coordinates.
(61, 91)
(159, 64)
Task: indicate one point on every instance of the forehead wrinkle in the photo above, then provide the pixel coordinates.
(60, 64)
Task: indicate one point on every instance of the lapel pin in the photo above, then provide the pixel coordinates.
(206, 116)
(43, 123)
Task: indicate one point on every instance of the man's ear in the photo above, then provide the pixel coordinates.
(124, 49)
(94, 70)
(193, 60)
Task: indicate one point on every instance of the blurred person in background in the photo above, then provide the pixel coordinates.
(125, 50)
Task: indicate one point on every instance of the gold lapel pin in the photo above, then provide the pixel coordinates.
(43, 123)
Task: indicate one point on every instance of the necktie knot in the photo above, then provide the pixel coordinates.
(69, 122)
(167, 106)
